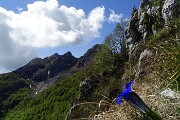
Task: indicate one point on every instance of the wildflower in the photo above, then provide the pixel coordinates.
(124, 93)
(133, 99)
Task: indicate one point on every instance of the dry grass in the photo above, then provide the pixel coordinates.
(167, 108)
(116, 112)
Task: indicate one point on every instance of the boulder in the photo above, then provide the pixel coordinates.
(170, 94)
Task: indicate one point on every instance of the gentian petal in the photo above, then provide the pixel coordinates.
(118, 100)
(127, 89)
(128, 85)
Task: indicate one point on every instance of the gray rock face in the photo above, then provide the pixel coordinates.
(149, 19)
(145, 29)
(145, 15)
(145, 54)
(153, 11)
(131, 32)
(170, 9)
(138, 27)
(143, 59)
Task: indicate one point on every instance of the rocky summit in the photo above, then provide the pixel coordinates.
(40, 69)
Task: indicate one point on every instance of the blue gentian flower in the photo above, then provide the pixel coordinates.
(124, 93)
(134, 100)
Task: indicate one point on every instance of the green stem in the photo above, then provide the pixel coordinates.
(152, 114)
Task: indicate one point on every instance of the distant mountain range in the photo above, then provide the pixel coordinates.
(39, 70)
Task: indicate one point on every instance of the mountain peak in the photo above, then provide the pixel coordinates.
(68, 54)
(55, 55)
(37, 68)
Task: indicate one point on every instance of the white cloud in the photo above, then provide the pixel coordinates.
(44, 24)
(113, 17)
(12, 54)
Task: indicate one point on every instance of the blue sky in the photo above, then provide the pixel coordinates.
(24, 39)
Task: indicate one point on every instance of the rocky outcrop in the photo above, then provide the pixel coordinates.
(146, 16)
(149, 19)
(132, 34)
(170, 10)
(144, 58)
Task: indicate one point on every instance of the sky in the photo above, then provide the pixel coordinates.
(40, 28)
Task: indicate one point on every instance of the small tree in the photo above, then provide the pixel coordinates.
(114, 40)
(113, 53)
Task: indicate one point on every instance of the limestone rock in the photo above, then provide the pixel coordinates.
(169, 94)
(170, 9)
(131, 32)
(143, 59)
